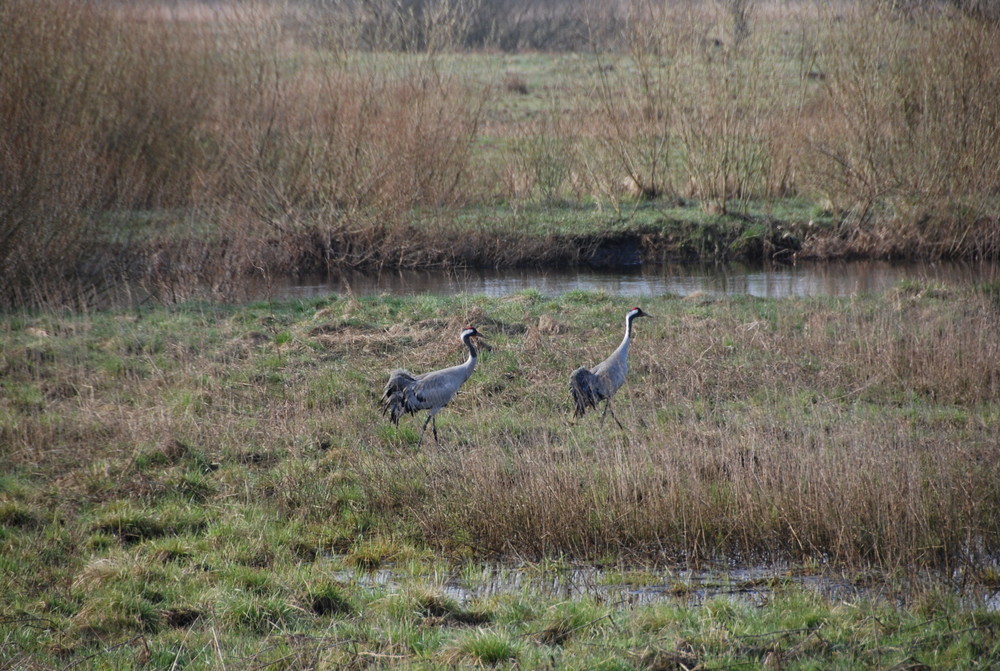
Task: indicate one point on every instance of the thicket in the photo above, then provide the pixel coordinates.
(189, 144)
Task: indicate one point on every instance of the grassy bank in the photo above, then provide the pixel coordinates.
(300, 619)
(195, 479)
(179, 144)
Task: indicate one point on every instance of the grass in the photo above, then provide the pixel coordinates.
(208, 486)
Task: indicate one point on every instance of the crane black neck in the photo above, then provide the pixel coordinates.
(467, 339)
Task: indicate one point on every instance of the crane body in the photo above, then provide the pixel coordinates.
(590, 387)
(406, 393)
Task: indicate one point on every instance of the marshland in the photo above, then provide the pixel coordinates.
(191, 480)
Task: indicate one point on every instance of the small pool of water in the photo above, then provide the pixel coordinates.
(639, 586)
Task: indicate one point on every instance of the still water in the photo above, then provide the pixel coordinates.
(813, 279)
(646, 585)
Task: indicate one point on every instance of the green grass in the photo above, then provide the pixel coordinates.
(600, 220)
(227, 494)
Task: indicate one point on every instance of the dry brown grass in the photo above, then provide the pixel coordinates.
(859, 432)
(839, 433)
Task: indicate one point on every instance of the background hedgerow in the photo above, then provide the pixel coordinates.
(169, 149)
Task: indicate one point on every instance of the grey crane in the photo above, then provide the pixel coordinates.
(406, 393)
(588, 388)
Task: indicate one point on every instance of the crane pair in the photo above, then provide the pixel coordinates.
(406, 393)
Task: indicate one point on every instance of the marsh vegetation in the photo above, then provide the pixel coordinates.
(195, 481)
(182, 145)
(203, 485)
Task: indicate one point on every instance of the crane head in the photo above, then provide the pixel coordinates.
(470, 331)
(637, 312)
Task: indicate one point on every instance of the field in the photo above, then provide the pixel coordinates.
(186, 146)
(204, 486)
(191, 482)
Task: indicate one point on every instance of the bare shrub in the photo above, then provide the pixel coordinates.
(89, 129)
(688, 113)
(188, 147)
(637, 102)
(910, 134)
(541, 158)
(410, 25)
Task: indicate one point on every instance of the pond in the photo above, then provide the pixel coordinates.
(812, 279)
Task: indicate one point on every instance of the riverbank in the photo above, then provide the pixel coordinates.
(280, 140)
(198, 260)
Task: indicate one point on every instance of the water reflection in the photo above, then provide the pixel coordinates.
(818, 279)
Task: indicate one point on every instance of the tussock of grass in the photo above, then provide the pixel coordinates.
(567, 620)
(15, 514)
(487, 648)
(329, 599)
(132, 524)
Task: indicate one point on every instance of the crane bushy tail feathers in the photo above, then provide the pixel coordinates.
(397, 397)
(583, 386)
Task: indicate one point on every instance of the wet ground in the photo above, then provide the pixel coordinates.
(643, 585)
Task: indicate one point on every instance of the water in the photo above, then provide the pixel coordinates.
(752, 584)
(813, 279)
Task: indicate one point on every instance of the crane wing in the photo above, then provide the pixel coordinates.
(395, 395)
(435, 389)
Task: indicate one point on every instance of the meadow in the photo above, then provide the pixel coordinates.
(191, 482)
(206, 486)
(186, 146)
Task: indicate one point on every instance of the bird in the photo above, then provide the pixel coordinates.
(406, 393)
(588, 388)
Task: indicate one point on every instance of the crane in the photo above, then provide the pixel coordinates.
(406, 393)
(588, 388)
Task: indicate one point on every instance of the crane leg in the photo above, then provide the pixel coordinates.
(426, 422)
(434, 426)
(607, 406)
